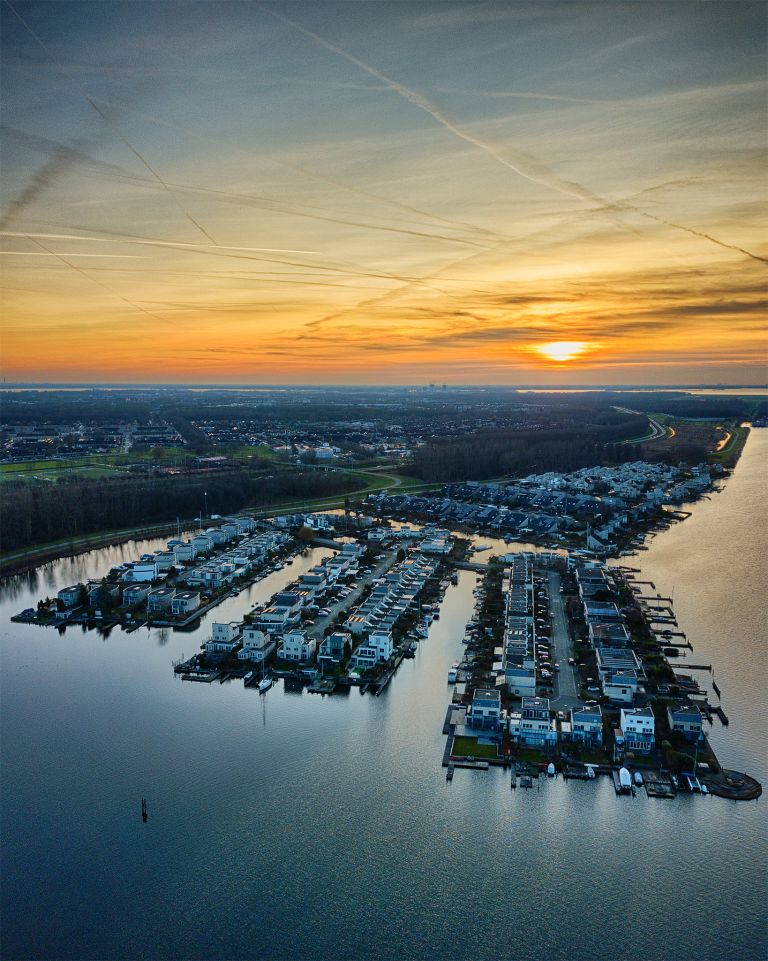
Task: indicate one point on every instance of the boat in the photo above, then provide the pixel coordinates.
(638, 779)
(264, 684)
(144, 815)
(482, 547)
(704, 789)
(421, 631)
(625, 779)
(551, 770)
(526, 781)
(247, 677)
(452, 675)
(590, 771)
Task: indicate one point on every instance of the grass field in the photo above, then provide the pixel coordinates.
(469, 747)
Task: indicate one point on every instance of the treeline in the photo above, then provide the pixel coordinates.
(40, 513)
(516, 453)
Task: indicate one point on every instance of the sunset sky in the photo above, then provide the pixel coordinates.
(374, 192)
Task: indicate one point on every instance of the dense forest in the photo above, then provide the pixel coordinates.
(40, 513)
(516, 453)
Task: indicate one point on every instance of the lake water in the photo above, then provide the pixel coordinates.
(296, 826)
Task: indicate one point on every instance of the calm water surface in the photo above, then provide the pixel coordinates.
(295, 826)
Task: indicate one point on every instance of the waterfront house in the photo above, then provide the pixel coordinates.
(485, 710)
(224, 638)
(103, 593)
(185, 602)
(165, 560)
(141, 571)
(381, 641)
(70, 596)
(521, 681)
(297, 646)
(587, 725)
(184, 553)
(202, 543)
(364, 657)
(135, 594)
(314, 581)
(638, 729)
(160, 599)
(602, 612)
(620, 687)
(686, 719)
(533, 726)
(257, 646)
(333, 649)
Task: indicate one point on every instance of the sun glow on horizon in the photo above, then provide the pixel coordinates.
(562, 350)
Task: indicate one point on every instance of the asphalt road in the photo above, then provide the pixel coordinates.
(341, 606)
(566, 686)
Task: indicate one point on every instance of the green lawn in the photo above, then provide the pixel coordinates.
(529, 754)
(468, 747)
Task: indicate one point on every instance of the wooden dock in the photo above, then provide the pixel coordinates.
(204, 677)
(658, 784)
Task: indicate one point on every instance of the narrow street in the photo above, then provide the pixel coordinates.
(566, 687)
(341, 606)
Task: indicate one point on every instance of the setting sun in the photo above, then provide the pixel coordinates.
(562, 350)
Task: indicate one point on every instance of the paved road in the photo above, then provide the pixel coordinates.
(341, 606)
(657, 430)
(566, 686)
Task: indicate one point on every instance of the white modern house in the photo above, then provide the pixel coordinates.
(135, 594)
(185, 602)
(297, 646)
(70, 596)
(587, 724)
(533, 724)
(485, 711)
(224, 638)
(685, 719)
(638, 729)
(160, 599)
(257, 646)
(142, 571)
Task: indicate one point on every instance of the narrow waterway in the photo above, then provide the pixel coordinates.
(293, 826)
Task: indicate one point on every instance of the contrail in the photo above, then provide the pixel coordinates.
(127, 239)
(322, 178)
(27, 253)
(84, 273)
(149, 167)
(528, 167)
(38, 182)
(542, 176)
(218, 251)
(700, 233)
(109, 123)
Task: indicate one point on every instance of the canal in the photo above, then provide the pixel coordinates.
(293, 825)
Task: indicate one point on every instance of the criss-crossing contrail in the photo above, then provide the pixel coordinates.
(112, 126)
(127, 239)
(93, 280)
(339, 184)
(527, 167)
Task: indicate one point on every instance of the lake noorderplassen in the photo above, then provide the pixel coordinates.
(293, 826)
